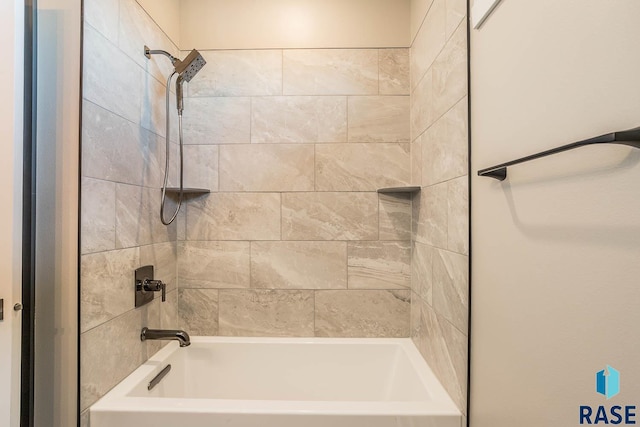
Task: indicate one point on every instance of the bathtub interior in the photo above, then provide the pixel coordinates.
(288, 371)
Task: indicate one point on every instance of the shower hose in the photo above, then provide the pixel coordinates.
(166, 163)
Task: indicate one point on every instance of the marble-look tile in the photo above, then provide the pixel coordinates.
(379, 265)
(357, 166)
(153, 109)
(370, 313)
(451, 287)
(103, 15)
(414, 322)
(428, 42)
(98, 215)
(217, 120)
(201, 166)
(395, 216)
(259, 312)
(456, 11)
(152, 320)
(394, 71)
(84, 419)
(299, 265)
(164, 258)
(329, 216)
(416, 161)
(103, 364)
(112, 148)
(419, 9)
(169, 311)
(214, 264)
(445, 349)
(422, 271)
(422, 108)
(279, 119)
(111, 79)
(378, 118)
(106, 286)
(450, 73)
(445, 148)
(198, 310)
(234, 216)
(458, 215)
(138, 29)
(430, 215)
(266, 167)
(330, 72)
(137, 217)
(239, 73)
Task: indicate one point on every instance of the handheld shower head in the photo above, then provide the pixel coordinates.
(190, 66)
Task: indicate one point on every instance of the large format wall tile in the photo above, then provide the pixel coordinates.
(430, 216)
(450, 73)
(106, 289)
(395, 216)
(357, 167)
(198, 310)
(110, 352)
(111, 79)
(379, 265)
(429, 41)
(422, 109)
(330, 216)
(106, 135)
(217, 120)
(393, 71)
(239, 73)
(98, 215)
(214, 264)
(266, 167)
(201, 166)
(362, 313)
(138, 29)
(451, 287)
(330, 72)
(378, 119)
(299, 265)
(422, 271)
(163, 257)
(137, 217)
(458, 215)
(445, 350)
(299, 119)
(444, 146)
(259, 312)
(234, 216)
(103, 15)
(456, 11)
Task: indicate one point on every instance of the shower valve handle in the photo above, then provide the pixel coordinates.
(155, 286)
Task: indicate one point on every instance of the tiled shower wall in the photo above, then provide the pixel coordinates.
(122, 166)
(439, 153)
(294, 240)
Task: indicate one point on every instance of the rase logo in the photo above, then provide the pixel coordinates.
(608, 384)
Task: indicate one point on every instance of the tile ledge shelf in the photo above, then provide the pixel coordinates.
(175, 191)
(403, 189)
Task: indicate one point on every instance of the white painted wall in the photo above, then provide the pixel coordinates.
(556, 247)
(257, 24)
(11, 33)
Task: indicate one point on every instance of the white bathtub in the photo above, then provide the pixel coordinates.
(281, 382)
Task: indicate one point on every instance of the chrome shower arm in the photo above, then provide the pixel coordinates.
(148, 52)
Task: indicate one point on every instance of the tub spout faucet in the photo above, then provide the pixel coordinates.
(166, 334)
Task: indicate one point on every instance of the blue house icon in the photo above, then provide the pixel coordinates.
(608, 382)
